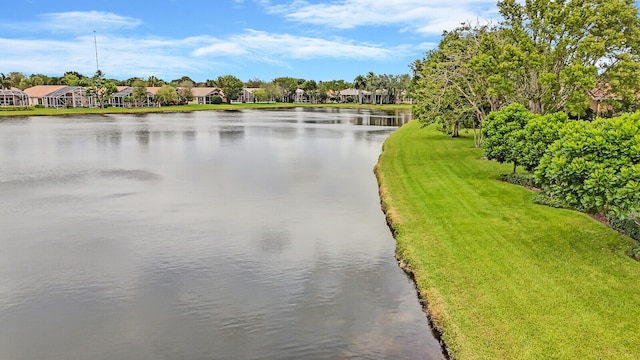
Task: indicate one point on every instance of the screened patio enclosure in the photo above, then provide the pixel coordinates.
(69, 97)
(13, 97)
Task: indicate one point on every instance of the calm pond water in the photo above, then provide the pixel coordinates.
(208, 235)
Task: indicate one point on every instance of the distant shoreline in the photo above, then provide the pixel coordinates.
(190, 108)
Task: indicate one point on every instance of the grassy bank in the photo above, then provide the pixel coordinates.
(505, 278)
(189, 108)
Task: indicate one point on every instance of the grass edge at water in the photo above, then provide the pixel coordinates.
(503, 277)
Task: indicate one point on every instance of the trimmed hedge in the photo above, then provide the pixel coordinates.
(16, 108)
(629, 225)
(519, 179)
(595, 166)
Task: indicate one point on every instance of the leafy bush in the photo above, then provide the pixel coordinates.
(595, 166)
(215, 99)
(539, 133)
(503, 131)
(519, 179)
(544, 198)
(16, 108)
(634, 252)
(39, 106)
(628, 225)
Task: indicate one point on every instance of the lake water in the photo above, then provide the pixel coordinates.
(207, 235)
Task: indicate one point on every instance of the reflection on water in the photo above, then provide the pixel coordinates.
(211, 235)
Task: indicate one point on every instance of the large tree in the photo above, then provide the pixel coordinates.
(460, 81)
(231, 86)
(139, 93)
(359, 83)
(166, 95)
(562, 49)
(288, 85)
(185, 91)
(101, 88)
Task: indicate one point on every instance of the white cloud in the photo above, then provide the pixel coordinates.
(86, 21)
(220, 48)
(123, 57)
(419, 15)
(262, 44)
(118, 56)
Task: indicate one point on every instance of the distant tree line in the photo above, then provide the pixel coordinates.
(279, 89)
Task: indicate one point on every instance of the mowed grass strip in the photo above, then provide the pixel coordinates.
(505, 278)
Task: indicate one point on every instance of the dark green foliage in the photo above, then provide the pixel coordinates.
(519, 179)
(544, 198)
(503, 131)
(634, 252)
(215, 99)
(595, 166)
(539, 133)
(628, 225)
(16, 108)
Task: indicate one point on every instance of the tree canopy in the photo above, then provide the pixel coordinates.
(230, 85)
(100, 87)
(545, 55)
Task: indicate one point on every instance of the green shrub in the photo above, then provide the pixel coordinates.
(544, 198)
(634, 252)
(16, 108)
(628, 225)
(539, 133)
(503, 131)
(519, 179)
(595, 166)
(39, 106)
(215, 99)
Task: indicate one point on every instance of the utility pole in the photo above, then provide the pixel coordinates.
(95, 44)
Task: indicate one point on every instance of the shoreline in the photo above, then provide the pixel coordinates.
(404, 264)
(499, 276)
(191, 108)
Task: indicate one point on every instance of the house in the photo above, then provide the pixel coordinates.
(120, 99)
(405, 97)
(13, 97)
(355, 94)
(598, 100)
(59, 96)
(123, 98)
(205, 95)
(299, 97)
(247, 95)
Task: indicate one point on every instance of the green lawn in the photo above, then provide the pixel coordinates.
(188, 108)
(505, 278)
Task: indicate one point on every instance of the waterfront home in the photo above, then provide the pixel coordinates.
(205, 95)
(59, 96)
(13, 97)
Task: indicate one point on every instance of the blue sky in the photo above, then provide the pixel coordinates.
(320, 40)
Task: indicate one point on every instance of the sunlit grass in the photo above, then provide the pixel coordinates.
(505, 278)
(191, 107)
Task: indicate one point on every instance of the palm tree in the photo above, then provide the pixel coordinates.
(153, 81)
(372, 84)
(5, 82)
(359, 83)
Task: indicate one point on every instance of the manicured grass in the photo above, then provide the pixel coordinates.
(505, 278)
(188, 108)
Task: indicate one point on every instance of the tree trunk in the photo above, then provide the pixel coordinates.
(535, 106)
